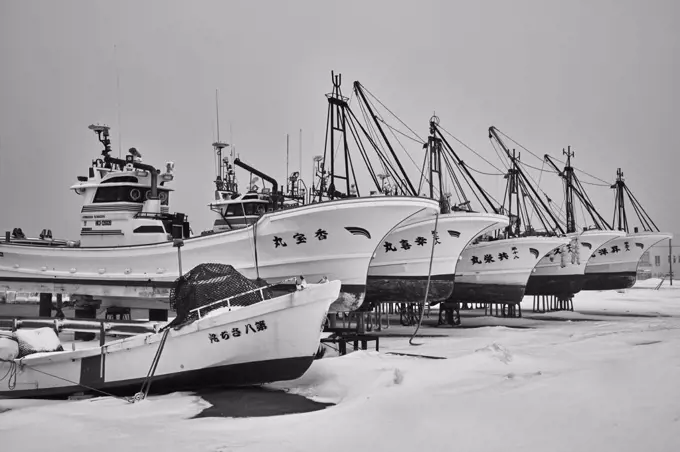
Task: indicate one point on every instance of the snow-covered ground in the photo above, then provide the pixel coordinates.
(605, 379)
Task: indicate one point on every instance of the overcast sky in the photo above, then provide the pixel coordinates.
(598, 75)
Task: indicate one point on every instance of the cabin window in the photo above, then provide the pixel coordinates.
(116, 194)
(234, 210)
(128, 194)
(149, 229)
(657, 261)
(119, 179)
(251, 208)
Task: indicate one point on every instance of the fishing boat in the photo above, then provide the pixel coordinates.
(562, 271)
(229, 331)
(613, 266)
(497, 270)
(465, 267)
(403, 267)
(496, 265)
(600, 257)
(129, 244)
(406, 266)
(419, 257)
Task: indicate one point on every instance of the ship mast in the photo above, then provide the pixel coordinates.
(224, 180)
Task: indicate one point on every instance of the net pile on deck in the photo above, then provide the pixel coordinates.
(209, 283)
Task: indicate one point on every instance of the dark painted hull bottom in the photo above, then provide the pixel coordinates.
(554, 284)
(609, 281)
(408, 290)
(245, 374)
(487, 293)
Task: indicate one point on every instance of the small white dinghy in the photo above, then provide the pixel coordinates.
(222, 335)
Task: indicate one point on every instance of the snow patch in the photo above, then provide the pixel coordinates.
(497, 351)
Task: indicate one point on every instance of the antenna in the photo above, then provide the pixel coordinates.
(217, 110)
(218, 145)
(287, 172)
(231, 140)
(115, 61)
(300, 150)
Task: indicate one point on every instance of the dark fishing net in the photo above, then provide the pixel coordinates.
(213, 283)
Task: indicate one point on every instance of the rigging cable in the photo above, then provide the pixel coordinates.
(540, 178)
(471, 150)
(429, 276)
(390, 111)
(562, 162)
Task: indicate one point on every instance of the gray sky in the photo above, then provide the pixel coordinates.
(600, 76)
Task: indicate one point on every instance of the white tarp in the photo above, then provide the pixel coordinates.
(37, 341)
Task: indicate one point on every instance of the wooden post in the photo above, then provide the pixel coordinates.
(45, 307)
(60, 306)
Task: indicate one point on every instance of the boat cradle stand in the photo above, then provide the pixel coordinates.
(551, 303)
(342, 336)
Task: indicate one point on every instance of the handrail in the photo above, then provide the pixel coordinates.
(116, 327)
(228, 299)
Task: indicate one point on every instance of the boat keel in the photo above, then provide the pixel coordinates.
(381, 289)
(487, 293)
(609, 281)
(554, 284)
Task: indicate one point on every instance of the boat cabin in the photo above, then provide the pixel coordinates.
(125, 202)
(236, 211)
(119, 206)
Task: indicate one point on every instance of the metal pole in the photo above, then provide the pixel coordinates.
(670, 260)
(179, 243)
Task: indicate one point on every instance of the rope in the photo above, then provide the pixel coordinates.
(146, 385)
(11, 372)
(257, 265)
(14, 370)
(427, 287)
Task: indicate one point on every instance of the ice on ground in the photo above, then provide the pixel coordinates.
(608, 382)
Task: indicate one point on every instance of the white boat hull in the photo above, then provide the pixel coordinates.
(334, 239)
(497, 271)
(614, 265)
(399, 271)
(277, 340)
(562, 271)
